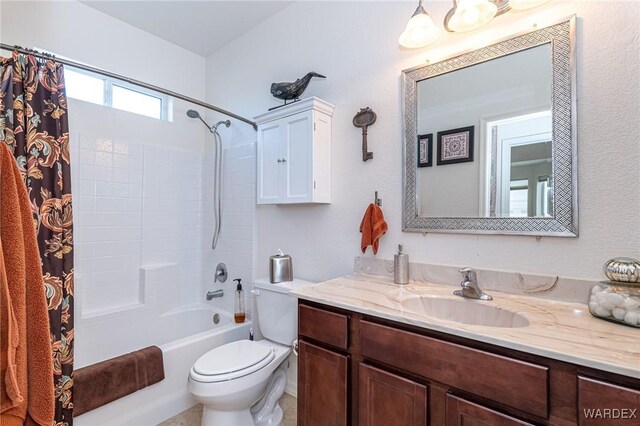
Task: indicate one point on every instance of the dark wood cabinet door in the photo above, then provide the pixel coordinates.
(464, 413)
(386, 399)
(601, 404)
(322, 387)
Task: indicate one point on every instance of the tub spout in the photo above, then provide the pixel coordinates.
(215, 294)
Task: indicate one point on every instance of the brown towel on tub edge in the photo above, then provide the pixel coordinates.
(26, 364)
(99, 384)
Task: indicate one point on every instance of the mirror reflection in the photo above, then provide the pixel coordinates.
(485, 140)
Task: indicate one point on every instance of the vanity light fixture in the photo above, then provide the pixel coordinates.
(468, 15)
(526, 4)
(420, 30)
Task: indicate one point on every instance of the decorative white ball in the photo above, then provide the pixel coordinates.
(605, 304)
(631, 304)
(619, 313)
(602, 312)
(593, 305)
(631, 318)
(596, 289)
(614, 299)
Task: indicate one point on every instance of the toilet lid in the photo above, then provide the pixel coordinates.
(242, 357)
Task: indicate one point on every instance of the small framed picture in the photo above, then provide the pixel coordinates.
(455, 146)
(425, 148)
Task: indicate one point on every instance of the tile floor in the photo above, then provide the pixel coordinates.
(193, 415)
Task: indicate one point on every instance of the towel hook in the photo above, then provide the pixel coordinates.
(377, 201)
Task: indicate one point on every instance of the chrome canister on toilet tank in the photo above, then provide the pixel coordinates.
(280, 268)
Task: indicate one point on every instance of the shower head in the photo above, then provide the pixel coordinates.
(192, 113)
(195, 114)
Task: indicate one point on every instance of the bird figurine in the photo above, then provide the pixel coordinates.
(292, 91)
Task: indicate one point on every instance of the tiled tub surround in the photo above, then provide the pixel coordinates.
(559, 329)
(235, 245)
(136, 206)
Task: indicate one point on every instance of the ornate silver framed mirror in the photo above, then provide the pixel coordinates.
(499, 124)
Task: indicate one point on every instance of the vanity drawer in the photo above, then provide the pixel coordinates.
(324, 326)
(602, 403)
(461, 412)
(515, 383)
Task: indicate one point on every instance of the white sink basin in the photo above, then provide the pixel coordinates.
(464, 311)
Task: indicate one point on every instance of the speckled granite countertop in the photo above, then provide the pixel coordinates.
(557, 329)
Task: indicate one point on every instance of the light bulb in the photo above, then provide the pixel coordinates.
(526, 4)
(470, 14)
(420, 31)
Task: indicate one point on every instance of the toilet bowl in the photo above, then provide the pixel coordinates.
(239, 383)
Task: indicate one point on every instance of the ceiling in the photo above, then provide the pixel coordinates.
(199, 26)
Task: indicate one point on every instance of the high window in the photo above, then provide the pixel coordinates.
(101, 90)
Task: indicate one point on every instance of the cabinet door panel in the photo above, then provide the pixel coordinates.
(386, 399)
(464, 413)
(297, 155)
(321, 157)
(322, 393)
(601, 403)
(269, 152)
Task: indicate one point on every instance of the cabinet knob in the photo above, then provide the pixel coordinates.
(279, 160)
(284, 160)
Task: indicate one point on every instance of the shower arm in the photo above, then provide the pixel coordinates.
(142, 84)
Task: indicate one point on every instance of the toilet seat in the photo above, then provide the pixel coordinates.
(231, 361)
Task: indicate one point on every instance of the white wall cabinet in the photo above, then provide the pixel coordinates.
(294, 153)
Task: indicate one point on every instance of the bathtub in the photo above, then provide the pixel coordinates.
(183, 335)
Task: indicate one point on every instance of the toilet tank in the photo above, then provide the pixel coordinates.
(277, 310)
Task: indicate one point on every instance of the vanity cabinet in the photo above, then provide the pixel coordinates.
(464, 413)
(389, 373)
(294, 154)
(389, 399)
(322, 377)
(601, 403)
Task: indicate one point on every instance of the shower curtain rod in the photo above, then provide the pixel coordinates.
(128, 80)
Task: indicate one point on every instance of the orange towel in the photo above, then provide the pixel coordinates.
(26, 363)
(372, 228)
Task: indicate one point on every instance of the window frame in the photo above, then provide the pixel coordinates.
(109, 82)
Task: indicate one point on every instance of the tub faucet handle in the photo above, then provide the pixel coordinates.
(251, 334)
(221, 273)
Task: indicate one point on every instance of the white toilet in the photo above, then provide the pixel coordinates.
(240, 383)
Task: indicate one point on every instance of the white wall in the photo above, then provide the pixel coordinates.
(78, 32)
(355, 46)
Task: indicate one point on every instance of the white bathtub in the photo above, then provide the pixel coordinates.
(183, 335)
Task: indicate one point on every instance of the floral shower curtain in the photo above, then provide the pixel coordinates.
(34, 125)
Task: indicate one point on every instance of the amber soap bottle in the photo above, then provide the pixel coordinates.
(239, 313)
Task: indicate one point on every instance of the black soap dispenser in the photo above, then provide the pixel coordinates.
(239, 313)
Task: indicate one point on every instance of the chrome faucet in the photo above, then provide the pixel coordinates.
(215, 294)
(470, 287)
(221, 273)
